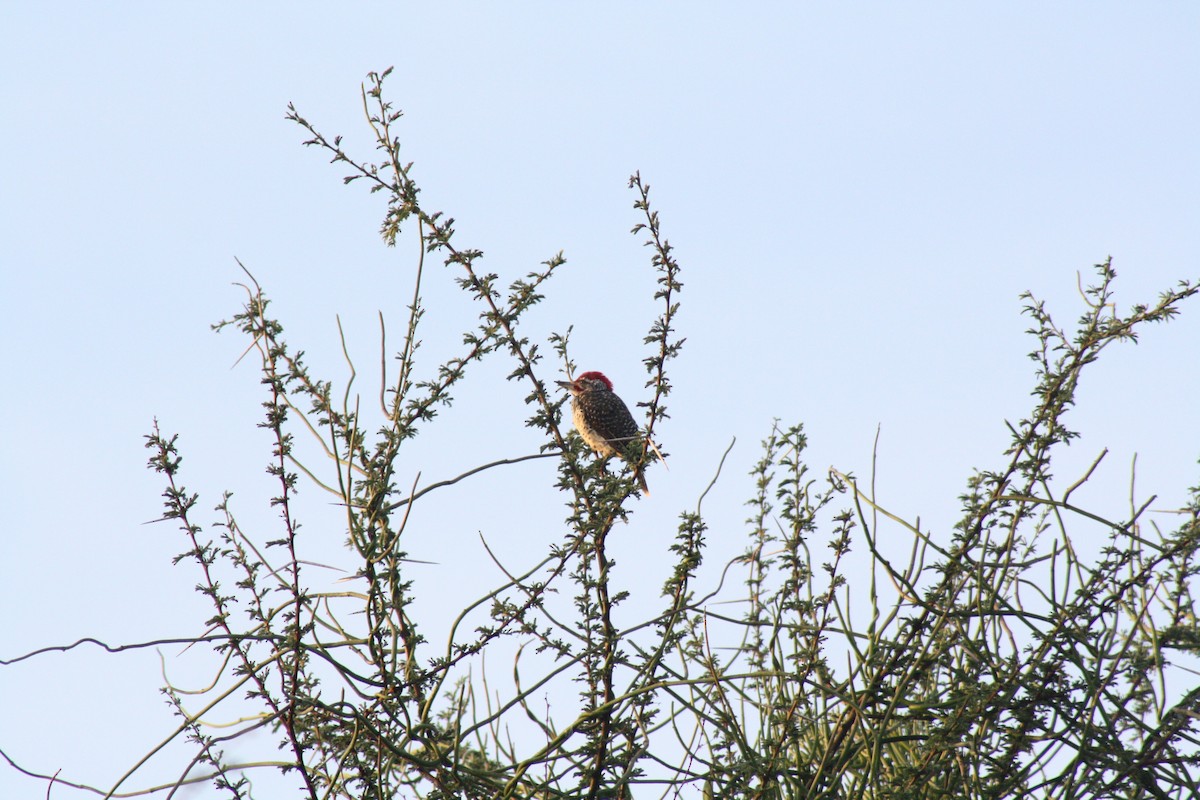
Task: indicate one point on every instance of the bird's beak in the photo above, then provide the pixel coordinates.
(564, 384)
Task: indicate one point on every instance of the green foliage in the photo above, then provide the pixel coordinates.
(996, 662)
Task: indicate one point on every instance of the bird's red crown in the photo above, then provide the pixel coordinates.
(596, 376)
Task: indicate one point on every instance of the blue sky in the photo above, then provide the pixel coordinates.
(857, 194)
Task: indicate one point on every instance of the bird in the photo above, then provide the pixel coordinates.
(603, 420)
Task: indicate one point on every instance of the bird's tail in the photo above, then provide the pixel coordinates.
(641, 481)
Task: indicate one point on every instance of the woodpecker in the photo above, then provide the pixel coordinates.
(602, 419)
